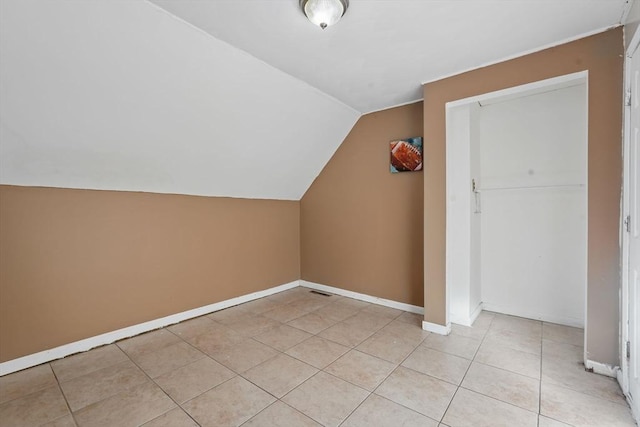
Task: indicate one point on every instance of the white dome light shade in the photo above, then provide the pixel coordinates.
(324, 13)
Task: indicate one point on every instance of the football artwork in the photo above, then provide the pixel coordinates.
(406, 155)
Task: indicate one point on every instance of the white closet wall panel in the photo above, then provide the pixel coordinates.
(534, 203)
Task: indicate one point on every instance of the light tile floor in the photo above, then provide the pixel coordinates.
(302, 359)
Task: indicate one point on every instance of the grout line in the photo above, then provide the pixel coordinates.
(467, 371)
(64, 396)
(158, 385)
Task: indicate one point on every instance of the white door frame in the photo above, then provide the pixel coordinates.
(623, 373)
(458, 236)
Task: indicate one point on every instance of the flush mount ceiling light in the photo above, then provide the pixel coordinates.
(324, 13)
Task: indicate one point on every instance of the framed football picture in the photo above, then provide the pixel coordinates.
(406, 155)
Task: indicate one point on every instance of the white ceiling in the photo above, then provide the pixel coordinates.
(121, 95)
(378, 55)
(239, 98)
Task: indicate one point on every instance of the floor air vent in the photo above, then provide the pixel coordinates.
(320, 293)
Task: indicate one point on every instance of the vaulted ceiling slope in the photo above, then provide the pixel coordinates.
(122, 95)
(378, 55)
(239, 98)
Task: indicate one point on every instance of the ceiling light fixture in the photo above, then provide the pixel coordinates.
(324, 13)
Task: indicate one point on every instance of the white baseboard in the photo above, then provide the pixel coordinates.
(110, 337)
(468, 320)
(561, 320)
(602, 368)
(363, 297)
(435, 328)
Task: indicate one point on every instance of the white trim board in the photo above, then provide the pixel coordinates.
(527, 89)
(601, 368)
(427, 326)
(435, 328)
(467, 321)
(110, 337)
(364, 297)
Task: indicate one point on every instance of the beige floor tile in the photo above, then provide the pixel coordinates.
(89, 361)
(470, 409)
(581, 410)
(563, 334)
(514, 340)
(101, 384)
(286, 313)
(232, 314)
(169, 358)
(23, 383)
(229, 404)
(280, 415)
(312, 322)
(326, 399)
(562, 351)
(353, 304)
(387, 346)
(468, 331)
(280, 375)
(422, 393)
(174, 418)
(129, 408)
(253, 325)
(506, 386)
(411, 318)
(440, 365)
(318, 352)
(548, 422)
(34, 409)
(282, 337)
(382, 311)
(287, 297)
(347, 334)
(517, 325)
(368, 321)
(380, 412)
(310, 303)
(258, 306)
(191, 380)
(572, 375)
(361, 369)
(501, 385)
(66, 421)
(453, 344)
(145, 343)
(245, 355)
(336, 312)
(484, 320)
(217, 340)
(507, 358)
(189, 329)
(412, 334)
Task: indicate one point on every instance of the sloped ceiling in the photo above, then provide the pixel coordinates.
(121, 95)
(240, 98)
(378, 55)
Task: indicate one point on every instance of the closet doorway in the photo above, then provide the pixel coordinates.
(517, 202)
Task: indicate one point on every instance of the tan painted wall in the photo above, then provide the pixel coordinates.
(601, 55)
(78, 263)
(361, 226)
